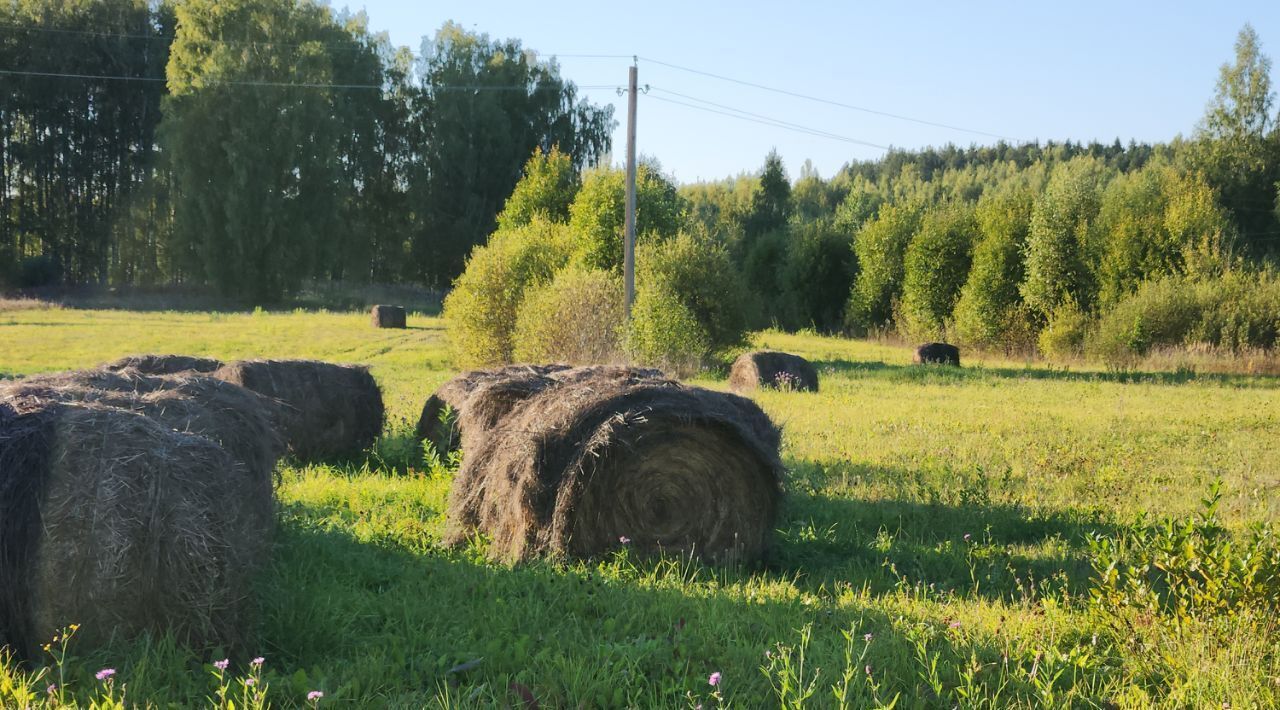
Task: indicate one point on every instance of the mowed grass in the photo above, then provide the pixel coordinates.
(933, 549)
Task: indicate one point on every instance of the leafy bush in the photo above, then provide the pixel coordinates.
(597, 215)
(989, 311)
(1064, 335)
(700, 274)
(576, 318)
(935, 268)
(1187, 568)
(1058, 262)
(547, 188)
(482, 308)
(816, 275)
(879, 247)
(1235, 311)
(665, 333)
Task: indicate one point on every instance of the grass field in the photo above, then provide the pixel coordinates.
(934, 550)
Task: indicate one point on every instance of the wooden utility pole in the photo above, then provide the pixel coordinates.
(629, 238)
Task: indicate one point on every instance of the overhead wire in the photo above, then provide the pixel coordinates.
(752, 117)
(288, 84)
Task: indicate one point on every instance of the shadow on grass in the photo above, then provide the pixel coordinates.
(974, 373)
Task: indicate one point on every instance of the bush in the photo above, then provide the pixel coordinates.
(481, 310)
(935, 268)
(664, 333)
(1235, 311)
(816, 275)
(990, 310)
(700, 274)
(547, 189)
(598, 212)
(576, 318)
(879, 247)
(1064, 336)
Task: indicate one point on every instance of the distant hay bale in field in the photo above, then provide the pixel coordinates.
(568, 463)
(243, 422)
(163, 364)
(937, 354)
(772, 369)
(498, 400)
(112, 521)
(388, 317)
(328, 410)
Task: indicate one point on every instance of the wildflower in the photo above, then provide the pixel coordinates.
(867, 637)
(967, 537)
(250, 682)
(105, 674)
(867, 668)
(954, 624)
(624, 540)
(714, 679)
(258, 661)
(221, 665)
(315, 695)
(53, 688)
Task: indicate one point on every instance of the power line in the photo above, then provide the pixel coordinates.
(819, 99)
(773, 122)
(778, 121)
(291, 85)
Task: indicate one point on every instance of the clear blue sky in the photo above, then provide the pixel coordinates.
(1025, 70)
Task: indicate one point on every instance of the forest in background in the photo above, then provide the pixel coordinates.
(254, 146)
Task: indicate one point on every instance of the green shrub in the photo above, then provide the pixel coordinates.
(700, 274)
(481, 310)
(879, 247)
(576, 318)
(934, 270)
(547, 189)
(665, 333)
(816, 275)
(989, 311)
(598, 212)
(1162, 312)
(1059, 262)
(1064, 335)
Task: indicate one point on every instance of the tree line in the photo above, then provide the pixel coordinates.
(252, 145)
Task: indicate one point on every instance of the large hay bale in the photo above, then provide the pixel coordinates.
(163, 364)
(577, 460)
(328, 410)
(445, 436)
(937, 354)
(243, 422)
(777, 370)
(112, 521)
(388, 317)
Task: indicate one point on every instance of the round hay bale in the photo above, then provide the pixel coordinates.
(388, 317)
(126, 527)
(776, 370)
(163, 364)
(327, 410)
(937, 354)
(242, 422)
(582, 459)
(445, 436)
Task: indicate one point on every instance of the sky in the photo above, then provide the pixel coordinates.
(1019, 70)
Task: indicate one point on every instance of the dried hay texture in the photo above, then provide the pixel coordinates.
(388, 317)
(768, 368)
(937, 354)
(242, 422)
(328, 410)
(136, 527)
(564, 464)
(163, 364)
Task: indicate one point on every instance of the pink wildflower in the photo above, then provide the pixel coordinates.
(714, 679)
(105, 674)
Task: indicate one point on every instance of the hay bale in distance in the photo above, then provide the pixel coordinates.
(777, 370)
(327, 410)
(163, 364)
(579, 460)
(937, 354)
(388, 316)
(135, 527)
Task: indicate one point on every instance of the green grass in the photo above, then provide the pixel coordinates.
(945, 513)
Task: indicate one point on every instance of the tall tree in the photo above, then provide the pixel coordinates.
(771, 204)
